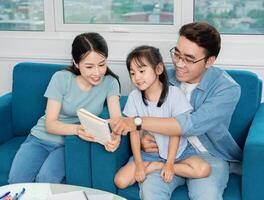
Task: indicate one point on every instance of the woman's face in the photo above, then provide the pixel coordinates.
(93, 68)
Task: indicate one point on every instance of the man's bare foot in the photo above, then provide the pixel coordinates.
(154, 166)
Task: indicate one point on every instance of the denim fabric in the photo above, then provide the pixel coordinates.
(214, 101)
(38, 161)
(212, 187)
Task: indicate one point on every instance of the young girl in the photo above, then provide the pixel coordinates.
(153, 97)
(87, 83)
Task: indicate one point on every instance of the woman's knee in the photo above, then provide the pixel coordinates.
(17, 176)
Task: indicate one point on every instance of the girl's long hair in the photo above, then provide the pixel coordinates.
(153, 56)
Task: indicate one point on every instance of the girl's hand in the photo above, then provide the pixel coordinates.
(167, 172)
(113, 144)
(80, 131)
(140, 174)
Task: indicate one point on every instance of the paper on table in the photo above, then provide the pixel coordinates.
(68, 196)
(80, 196)
(100, 196)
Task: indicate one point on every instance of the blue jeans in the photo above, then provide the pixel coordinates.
(38, 161)
(212, 187)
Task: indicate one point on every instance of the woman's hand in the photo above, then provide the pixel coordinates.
(122, 125)
(80, 131)
(140, 174)
(148, 144)
(167, 172)
(113, 144)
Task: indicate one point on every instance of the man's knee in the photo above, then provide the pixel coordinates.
(147, 192)
(213, 192)
(154, 188)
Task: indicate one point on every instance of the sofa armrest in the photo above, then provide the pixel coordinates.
(77, 161)
(253, 159)
(5, 118)
(105, 164)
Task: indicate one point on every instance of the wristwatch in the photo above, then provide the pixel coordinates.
(138, 122)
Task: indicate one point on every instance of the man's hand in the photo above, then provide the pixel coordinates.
(122, 125)
(148, 144)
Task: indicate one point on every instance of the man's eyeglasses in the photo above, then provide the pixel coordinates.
(176, 57)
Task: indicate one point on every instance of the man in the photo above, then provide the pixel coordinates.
(213, 95)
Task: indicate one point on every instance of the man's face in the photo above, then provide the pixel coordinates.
(190, 61)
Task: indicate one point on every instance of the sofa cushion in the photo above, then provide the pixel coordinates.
(30, 81)
(7, 153)
(247, 106)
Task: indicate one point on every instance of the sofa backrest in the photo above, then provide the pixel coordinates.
(251, 90)
(30, 81)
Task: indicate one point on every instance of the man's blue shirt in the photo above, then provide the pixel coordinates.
(214, 101)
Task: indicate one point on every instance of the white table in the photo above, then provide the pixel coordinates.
(42, 191)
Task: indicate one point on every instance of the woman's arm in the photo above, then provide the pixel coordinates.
(53, 125)
(114, 111)
(114, 106)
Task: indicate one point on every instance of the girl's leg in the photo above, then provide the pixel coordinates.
(154, 166)
(27, 161)
(126, 175)
(53, 169)
(192, 167)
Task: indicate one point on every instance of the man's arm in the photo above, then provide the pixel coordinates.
(166, 126)
(216, 110)
(210, 114)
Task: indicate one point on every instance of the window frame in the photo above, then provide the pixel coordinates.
(123, 28)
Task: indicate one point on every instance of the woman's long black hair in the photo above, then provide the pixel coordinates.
(82, 45)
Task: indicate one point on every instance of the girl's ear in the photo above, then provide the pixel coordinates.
(159, 69)
(210, 61)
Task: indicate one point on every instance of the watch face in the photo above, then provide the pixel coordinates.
(138, 121)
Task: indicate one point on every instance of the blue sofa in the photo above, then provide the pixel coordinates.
(88, 164)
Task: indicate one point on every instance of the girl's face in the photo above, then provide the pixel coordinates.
(93, 68)
(143, 76)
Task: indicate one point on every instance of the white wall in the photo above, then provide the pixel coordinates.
(238, 52)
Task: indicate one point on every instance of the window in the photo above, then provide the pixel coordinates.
(118, 12)
(22, 15)
(116, 15)
(232, 16)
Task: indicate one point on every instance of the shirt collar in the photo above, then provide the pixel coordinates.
(209, 76)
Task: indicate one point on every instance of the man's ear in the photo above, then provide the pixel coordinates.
(210, 61)
(160, 68)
